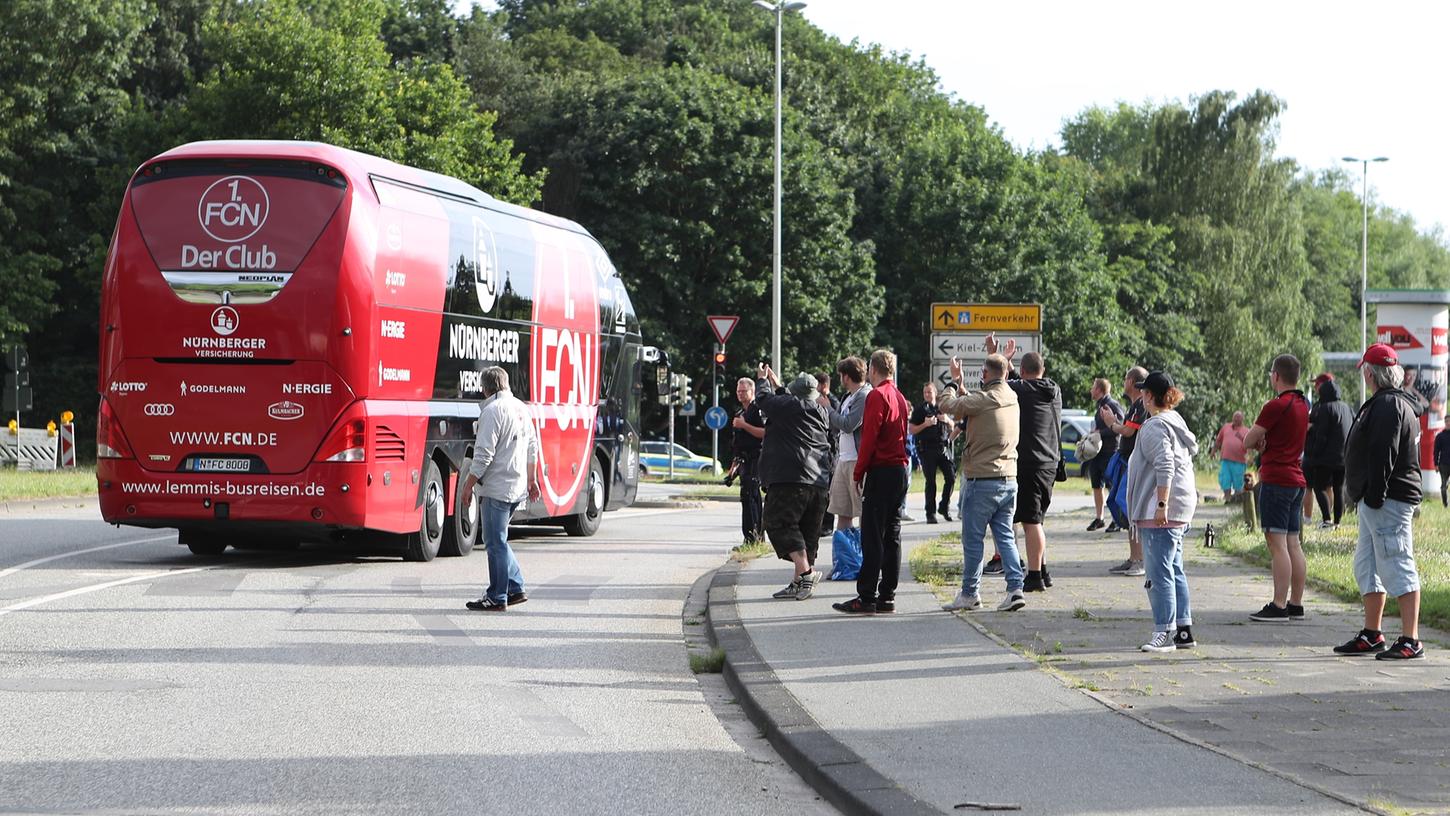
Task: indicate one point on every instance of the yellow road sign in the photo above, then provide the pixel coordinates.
(986, 317)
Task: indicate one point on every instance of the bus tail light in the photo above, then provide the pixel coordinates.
(110, 442)
(348, 440)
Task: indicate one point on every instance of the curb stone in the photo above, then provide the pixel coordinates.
(835, 771)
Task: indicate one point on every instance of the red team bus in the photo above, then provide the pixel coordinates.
(292, 343)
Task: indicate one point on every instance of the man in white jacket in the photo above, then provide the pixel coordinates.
(503, 474)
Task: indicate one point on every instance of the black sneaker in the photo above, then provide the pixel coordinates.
(994, 567)
(1296, 612)
(1095, 526)
(1406, 648)
(1046, 576)
(516, 598)
(1113, 528)
(1033, 582)
(945, 514)
(487, 605)
(885, 605)
(856, 606)
(930, 519)
(1366, 642)
(1183, 638)
(1271, 614)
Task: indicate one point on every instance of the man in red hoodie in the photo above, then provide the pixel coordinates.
(881, 470)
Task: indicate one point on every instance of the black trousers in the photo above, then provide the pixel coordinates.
(933, 460)
(752, 506)
(1321, 479)
(881, 533)
(793, 519)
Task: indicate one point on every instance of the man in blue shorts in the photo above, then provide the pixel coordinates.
(1278, 435)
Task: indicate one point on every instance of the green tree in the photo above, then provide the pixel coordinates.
(671, 170)
(284, 70)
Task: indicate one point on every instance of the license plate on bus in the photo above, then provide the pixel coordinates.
(222, 465)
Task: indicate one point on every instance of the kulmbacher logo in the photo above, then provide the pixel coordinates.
(285, 410)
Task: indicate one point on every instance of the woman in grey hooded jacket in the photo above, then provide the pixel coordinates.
(1162, 496)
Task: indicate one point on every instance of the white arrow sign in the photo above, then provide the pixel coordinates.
(973, 345)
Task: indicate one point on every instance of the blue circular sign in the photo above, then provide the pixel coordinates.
(716, 418)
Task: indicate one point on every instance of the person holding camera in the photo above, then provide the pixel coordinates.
(745, 444)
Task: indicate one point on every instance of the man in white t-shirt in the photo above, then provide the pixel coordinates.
(845, 499)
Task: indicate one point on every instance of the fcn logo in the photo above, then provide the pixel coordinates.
(564, 365)
(233, 208)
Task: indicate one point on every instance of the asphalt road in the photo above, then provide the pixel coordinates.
(135, 677)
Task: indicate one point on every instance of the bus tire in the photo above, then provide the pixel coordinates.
(587, 522)
(200, 544)
(433, 518)
(461, 531)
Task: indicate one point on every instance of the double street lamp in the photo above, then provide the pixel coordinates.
(1364, 262)
(778, 9)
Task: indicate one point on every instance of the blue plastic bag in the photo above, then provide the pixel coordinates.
(846, 554)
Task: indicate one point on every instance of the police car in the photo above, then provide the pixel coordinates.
(654, 457)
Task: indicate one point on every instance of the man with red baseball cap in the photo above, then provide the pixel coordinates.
(1382, 473)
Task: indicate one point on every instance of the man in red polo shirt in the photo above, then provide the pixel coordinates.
(881, 470)
(1278, 434)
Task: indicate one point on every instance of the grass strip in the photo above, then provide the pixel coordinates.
(47, 484)
(1329, 556)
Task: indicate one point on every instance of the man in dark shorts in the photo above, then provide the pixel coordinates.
(795, 467)
(934, 432)
(745, 443)
(1278, 434)
(1039, 451)
(1097, 466)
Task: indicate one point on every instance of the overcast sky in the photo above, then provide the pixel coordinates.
(1359, 79)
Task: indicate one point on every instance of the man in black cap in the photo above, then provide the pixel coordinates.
(795, 468)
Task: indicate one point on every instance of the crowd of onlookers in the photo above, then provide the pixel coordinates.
(817, 457)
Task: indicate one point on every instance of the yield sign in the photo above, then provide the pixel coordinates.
(723, 325)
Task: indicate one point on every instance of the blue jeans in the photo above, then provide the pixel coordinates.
(988, 502)
(504, 577)
(1167, 584)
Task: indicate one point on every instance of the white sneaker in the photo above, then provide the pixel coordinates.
(808, 584)
(963, 601)
(792, 590)
(1161, 642)
(1013, 602)
(1327, 525)
(1135, 568)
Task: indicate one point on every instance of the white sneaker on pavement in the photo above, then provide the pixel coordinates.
(963, 601)
(1136, 569)
(1012, 602)
(808, 584)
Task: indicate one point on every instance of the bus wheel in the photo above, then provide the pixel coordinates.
(587, 523)
(423, 545)
(461, 531)
(201, 544)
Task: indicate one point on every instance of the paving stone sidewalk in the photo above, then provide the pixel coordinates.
(1269, 694)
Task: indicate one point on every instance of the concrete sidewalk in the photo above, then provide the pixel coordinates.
(923, 711)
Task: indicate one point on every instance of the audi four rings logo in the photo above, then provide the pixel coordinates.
(159, 409)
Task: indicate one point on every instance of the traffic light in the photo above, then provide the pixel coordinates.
(720, 364)
(682, 389)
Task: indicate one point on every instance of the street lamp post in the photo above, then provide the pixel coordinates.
(778, 9)
(1364, 262)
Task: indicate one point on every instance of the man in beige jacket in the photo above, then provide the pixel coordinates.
(988, 477)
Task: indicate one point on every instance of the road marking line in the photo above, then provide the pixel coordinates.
(38, 561)
(95, 588)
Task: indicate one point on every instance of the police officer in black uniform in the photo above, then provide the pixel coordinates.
(934, 434)
(746, 441)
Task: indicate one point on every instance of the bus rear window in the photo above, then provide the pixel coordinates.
(234, 216)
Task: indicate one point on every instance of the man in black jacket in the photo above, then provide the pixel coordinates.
(1442, 464)
(1039, 450)
(1329, 423)
(1382, 469)
(795, 469)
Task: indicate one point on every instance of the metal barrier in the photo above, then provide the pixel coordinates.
(29, 448)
